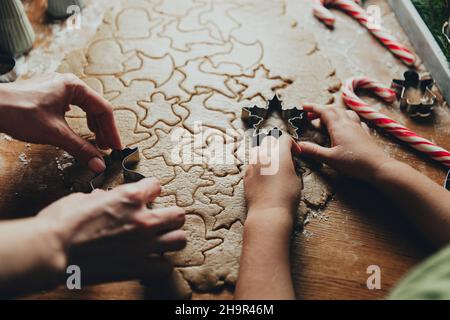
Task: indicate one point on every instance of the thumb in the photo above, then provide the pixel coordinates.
(82, 150)
(315, 151)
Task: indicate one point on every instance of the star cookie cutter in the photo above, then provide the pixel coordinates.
(296, 118)
(416, 97)
(128, 158)
(260, 136)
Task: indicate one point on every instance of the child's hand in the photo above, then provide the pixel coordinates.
(272, 187)
(353, 152)
(272, 191)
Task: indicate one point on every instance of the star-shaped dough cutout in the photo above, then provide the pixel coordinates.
(260, 83)
(232, 207)
(159, 109)
(185, 184)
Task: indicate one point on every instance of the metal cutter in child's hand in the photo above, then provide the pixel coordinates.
(295, 118)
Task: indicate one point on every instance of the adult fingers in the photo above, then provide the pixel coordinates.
(168, 242)
(79, 148)
(161, 220)
(100, 139)
(141, 192)
(95, 106)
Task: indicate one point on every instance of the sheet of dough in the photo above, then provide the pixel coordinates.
(167, 64)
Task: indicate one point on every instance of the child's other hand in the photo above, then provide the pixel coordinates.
(353, 152)
(272, 187)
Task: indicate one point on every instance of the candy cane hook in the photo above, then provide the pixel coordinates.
(357, 12)
(382, 121)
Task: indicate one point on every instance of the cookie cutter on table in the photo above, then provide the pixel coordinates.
(413, 85)
(128, 158)
(295, 118)
(446, 32)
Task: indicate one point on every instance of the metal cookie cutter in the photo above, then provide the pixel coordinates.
(446, 31)
(416, 97)
(259, 137)
(128, 158)
(295, 117)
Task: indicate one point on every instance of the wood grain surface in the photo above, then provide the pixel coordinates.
(358, 228)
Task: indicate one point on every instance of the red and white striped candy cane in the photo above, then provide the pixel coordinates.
(382, 121)
(357, 12)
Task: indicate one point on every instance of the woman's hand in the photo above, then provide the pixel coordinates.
(271, 183)
(33, 111)
(112, 234)
(353, 152)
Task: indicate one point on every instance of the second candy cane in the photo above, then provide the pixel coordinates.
(380, 120)
(352, 8)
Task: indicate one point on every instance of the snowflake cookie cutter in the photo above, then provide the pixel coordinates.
(260, 136)
(415, 94)
(127, 158)
(296, 118)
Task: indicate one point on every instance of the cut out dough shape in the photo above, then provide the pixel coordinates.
(159, 110)
(135, 23)
(100, 63)
(158, 70)
(154, 46)
(233, 207)
(206, 211)
(131, 97)
(219, 102)
(172, 89)
(175, 7)
(189, 38)
(192, 254)
(127, 124)
(226, 24)
(185, 184)
(260, 83)
(224, 185)
(244, 55)
(221, 263)
(200, 116)
(157, 168)
(196, 80)
(219, 156)
(169, 145)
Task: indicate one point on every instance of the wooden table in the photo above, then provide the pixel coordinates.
(361, 227)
